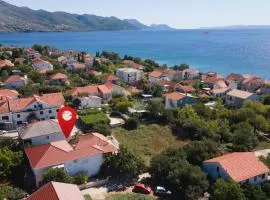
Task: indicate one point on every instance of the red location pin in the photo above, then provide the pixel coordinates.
(67, 118)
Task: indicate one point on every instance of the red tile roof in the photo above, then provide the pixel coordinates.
(185, 88)
(155, 74)
(52, 99)
(89, 90)
(7, 63)
(58, 76)
(57, 191)
(54, 153)
(14, 78)
(19, 60)
(10, 94)
(235, 77)
(104, 89)
(110, 78)
(4, 107)
(37, 61)
(219, 90)
(240, 166)
(175, 96)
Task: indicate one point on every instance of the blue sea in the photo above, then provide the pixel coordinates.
(224, 51)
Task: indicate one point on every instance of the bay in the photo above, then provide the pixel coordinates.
(224, 51)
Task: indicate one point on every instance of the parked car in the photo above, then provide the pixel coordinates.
(3, 132)
(162, 191)
(141, 188)
(117, 188)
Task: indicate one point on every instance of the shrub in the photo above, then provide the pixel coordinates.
(9, 192)
(58, 175)
(131, 124)
(87, 197)
(80, 178)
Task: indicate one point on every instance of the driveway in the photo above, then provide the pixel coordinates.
(97, 193)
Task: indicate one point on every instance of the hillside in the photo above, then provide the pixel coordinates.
(22, 19)
(154, 27)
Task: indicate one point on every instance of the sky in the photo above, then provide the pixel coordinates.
(176, 13)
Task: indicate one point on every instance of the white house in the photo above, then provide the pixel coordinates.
(82, 155)
(32, 54)
(41, 132)
(241, 167)
(19, 111)
(129, 75)
(90, 102)
(156, 76)
(190, 73)
(92, 90)
(237, 97)
(16, 81)
(177, 99)
(42, 65)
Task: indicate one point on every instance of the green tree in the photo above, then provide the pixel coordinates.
(10, 159)
(266, 188)
(58, 175)
(80, 178)
(76, 102)
(11, 193)
(243, 137)
(199, 151)
(36, 77)
(254, 192)
(225, 190)
(171, 169)
(124, 163)
(38, 48)
(131, 123)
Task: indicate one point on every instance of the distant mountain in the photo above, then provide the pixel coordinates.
(137, 24)
(22, 19)
(156, 27)
(161, 27)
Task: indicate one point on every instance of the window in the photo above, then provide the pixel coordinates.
(5, 118)
(217, 168)
(263, 176)
(35, 106)
(51, 117)
(75, 161)
(18, 115)
(19, 122)
(255, 178)
(50, 111)
(41, 112)
(47, 137)
(43, 119)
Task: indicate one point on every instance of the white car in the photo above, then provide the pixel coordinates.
(161, 191)
(3, 132)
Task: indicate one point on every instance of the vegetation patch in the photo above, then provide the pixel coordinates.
(147, 141)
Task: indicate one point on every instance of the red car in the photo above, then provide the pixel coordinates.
(141, 188)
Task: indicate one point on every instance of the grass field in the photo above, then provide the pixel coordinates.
(263, 145)
(130, 197)
(148, 141)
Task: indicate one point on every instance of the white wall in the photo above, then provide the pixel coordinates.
(91, 165)
(45, 139)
